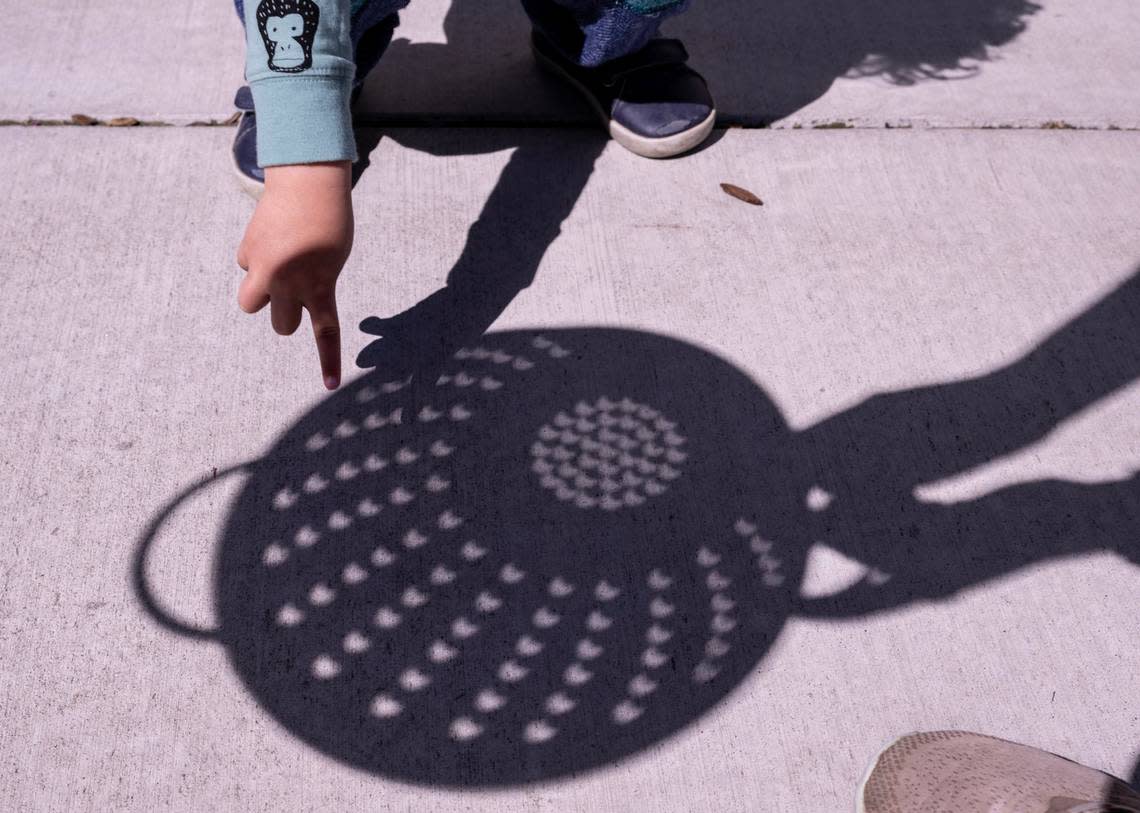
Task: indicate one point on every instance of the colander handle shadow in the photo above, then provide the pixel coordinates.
(865, 597)
(142, 549)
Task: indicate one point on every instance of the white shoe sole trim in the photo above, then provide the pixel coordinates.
(860, 803)
(248, 185)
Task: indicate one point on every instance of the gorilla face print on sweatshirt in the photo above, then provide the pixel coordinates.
(288, 29)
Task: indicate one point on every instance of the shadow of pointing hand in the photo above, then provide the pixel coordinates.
(522, 217)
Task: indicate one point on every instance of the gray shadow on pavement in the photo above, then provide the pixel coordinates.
(764, 59)
(550, 550)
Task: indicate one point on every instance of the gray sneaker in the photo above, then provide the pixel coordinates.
(959, 772)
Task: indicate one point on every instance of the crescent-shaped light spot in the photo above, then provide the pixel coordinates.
(387, 618)
(642, 685)
(414, 539)
(659, 608)
(356, 642)
(576, 674)
(325, 668)
(597, 621)
(464, 729)
(315, 484)
(274, 554)
(528, 647)
(406, 456)
(544, 618)
(441, 652)
(559, 703)
(321, 595)
(449, 520)
(539, 731)
(367, 508)
(512, 671)
(413, 680)
(722, 624)
(487, 602)
(289, 616)
(462, 629)
(587, 650)
(385, 707)
(374, 463)
(382, 557)
(716, 647)
(706, 558)
(471, 551)
(306, 537)
(353, 574)
(442, 575)
(626, 712)
(401, 496)
(488, 701)
(606, 591)
(560, 588)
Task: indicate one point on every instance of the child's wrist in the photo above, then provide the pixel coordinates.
(329, 176)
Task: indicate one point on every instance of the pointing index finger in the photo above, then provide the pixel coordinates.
(326, 331)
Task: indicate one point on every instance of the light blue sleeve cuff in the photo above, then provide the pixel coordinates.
(303, 119)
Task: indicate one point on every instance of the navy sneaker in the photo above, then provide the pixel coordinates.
(652, 103)
(244, 152)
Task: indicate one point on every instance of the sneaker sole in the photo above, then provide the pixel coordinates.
(248, 185)
(666, 147)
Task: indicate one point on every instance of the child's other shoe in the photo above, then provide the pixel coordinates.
(959, 772)
(651, 102)
(244, 151)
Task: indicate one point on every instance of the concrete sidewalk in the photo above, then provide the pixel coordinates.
(881, 261)
(900, 397)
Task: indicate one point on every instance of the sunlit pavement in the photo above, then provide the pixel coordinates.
(728, 497)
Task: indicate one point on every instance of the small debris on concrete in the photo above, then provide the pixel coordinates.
(83, 120)
(741, 194)
(123, 121)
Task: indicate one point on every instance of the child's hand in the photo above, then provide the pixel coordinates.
(294, 247)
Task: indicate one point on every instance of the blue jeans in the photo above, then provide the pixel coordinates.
(590, 32)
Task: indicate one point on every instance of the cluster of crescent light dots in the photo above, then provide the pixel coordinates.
(609, 455)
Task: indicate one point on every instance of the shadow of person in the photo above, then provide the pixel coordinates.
(773, 59)
(764, 60)
(569, 544)
(767, 60)
(872, 457)
(535, 193)
(522, 217)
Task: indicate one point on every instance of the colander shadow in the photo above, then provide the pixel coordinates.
(547, 557)
(553, 549)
